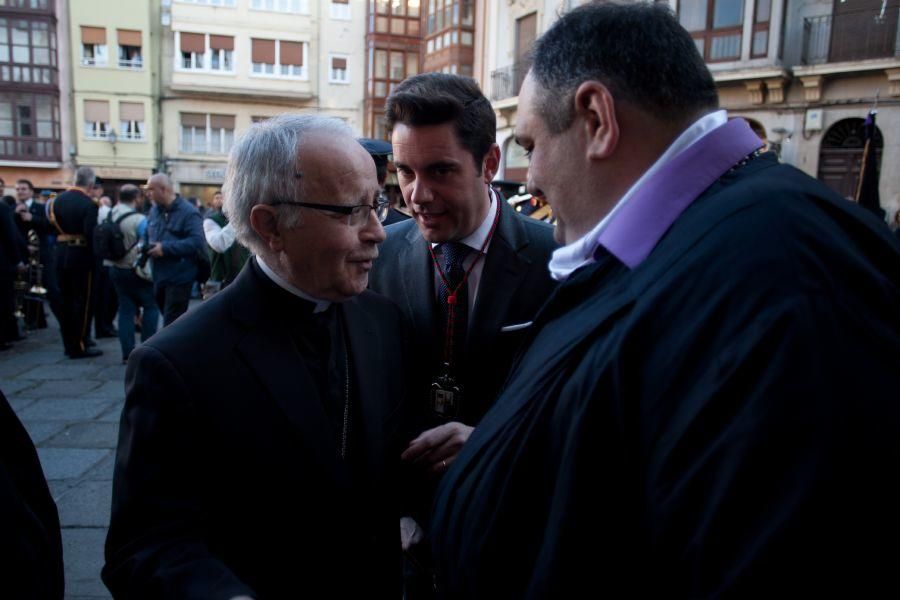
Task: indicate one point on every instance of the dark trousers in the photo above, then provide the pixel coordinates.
(103, 300)
(173, 299)
(9, 329)
(133, 292)
(75, 286)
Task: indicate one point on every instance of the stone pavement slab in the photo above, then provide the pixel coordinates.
(83, 558)
(55, 409)
(66, 463)
(86, 435)
(66, 388)
(39, 431)
(86, 504)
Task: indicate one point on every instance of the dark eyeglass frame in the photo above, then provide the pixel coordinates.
(381, 208)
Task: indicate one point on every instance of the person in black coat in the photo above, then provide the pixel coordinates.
(707, 406)
(74, 215)
(32, 216)
(30, 546)
(12, 261)
(259, 446)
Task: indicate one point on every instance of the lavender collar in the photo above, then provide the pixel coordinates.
(640, 224)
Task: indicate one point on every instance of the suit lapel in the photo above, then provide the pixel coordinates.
(504, 270)
(268, 350)
(417, 276)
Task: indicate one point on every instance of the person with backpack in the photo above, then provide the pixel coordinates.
(116, 241)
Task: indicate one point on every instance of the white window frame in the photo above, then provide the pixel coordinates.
(223, 143)
(134, 64)
(205, 58)
(96, 130)
(333, 76)
(294, 7)
(100, 58)
(125, 134)
(278, 70)
(225, 3)
(340, 11)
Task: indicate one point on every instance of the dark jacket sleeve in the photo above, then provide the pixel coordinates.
(89, 223)
(156, 546)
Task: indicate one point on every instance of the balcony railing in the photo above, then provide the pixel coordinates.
(850, 36)
(506, 82)
(30, 149)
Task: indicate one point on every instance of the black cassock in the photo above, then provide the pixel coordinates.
(723, 420)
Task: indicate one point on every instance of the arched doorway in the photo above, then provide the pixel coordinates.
(840, 156)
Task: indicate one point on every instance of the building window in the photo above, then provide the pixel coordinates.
(41, 5)
(762, 14)
(27, 51)
(93, 46)
(209, 2)
(202, 52)
(340, 9)
(131, 122)
(444, 14)
(338, 71)
(29, 127)
(206, 134)
(279, 58)
(130, 44)
(286, 6)
(96, 119)
(715, 25)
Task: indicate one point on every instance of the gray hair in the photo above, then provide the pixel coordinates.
(85, 177)
(262, 169)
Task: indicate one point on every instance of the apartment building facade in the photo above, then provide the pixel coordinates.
(35, 120)
(228, 63)
(804, 73)
(115, 88)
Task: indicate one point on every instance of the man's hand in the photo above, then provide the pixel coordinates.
(410, 533)
(435, 449)
(156, 250)
(24, 214)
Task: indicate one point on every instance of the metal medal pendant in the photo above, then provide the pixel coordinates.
(446, 396)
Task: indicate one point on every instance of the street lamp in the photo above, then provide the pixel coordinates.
(112, 137)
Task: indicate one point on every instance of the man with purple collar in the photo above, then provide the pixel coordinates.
(707, 403)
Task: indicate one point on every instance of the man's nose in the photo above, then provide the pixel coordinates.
(421, 193)
(372, 231)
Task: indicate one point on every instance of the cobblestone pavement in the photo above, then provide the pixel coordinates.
(71, 410)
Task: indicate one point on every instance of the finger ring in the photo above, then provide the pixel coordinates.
(444, 464)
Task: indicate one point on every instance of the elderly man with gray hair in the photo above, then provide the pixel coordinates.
(74, 216)
(260, 440)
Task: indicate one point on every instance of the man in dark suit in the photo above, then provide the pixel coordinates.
(707, 406)
(12, 262)
(463, 245)
(260, 436)
(74, 215)
(32, 216)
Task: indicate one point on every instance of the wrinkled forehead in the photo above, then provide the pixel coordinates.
(337, 168)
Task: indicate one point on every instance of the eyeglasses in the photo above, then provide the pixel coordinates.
(357, 215)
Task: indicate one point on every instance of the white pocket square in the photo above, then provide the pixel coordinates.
(516, 327)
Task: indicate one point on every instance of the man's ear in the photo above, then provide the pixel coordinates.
(491, 163)
(264, 222)
(596, 107)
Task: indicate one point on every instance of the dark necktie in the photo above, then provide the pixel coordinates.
(454, 253)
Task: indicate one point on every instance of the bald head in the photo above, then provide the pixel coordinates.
(160, 189)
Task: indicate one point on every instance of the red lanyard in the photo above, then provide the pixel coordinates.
(451, 297)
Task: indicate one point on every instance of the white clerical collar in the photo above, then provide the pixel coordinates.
(321, 305)
(477, 238)
(581, 252)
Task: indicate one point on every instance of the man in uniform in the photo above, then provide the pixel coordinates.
(32, 216)
(74, 215)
